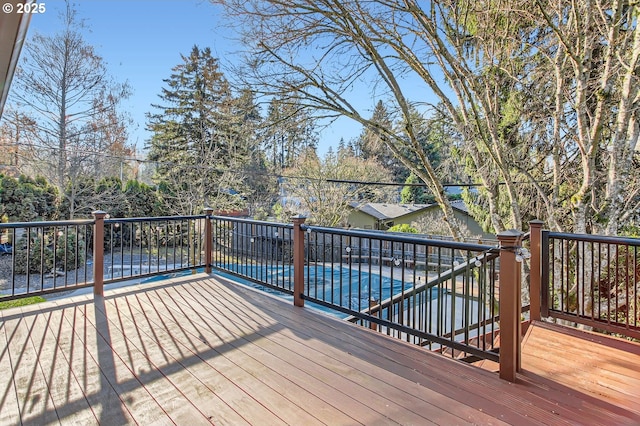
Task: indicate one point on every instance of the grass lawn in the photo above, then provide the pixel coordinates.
(21, 302)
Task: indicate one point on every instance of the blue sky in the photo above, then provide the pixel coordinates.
(142, 40)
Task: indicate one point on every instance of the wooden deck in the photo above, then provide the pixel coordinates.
(202, 350)
(605, 370)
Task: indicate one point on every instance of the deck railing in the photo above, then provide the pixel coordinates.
(447, 296)
(45, 257)
(146, 247)
(592, 280)
(61, 256)
(434, 293)
(261, 252)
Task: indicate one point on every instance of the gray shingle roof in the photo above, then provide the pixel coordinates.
(383, 211)
(386, 211)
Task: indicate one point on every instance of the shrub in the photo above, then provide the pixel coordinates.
(403, 227)
(34, 255)
(69, 252)
(38, 254)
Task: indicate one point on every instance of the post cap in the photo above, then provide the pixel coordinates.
(510, 233)
(510, 237)
(99, 214)
(299, 218)
(208, 211)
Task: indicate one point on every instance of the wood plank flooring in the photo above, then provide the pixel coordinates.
(605, 369)
(204, 350)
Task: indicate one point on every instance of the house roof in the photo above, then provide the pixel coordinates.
(387, 211)
(383, 211)
(13, 31)
(460, 205)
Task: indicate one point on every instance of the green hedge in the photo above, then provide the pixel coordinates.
(40, 256)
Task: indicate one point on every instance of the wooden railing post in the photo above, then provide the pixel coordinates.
(372, 303)
(298, 260)
(535, 277)
(510, 304)
(208, 239)
(544, 273)
(98, 252)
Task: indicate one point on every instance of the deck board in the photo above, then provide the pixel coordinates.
(244, 369)
(345, 371)
(185, 371)
(102, 396)
(224, 380)
(605, 369)
(452, 380)
(145, 360)
(202, 349)
(105, 370)
(276, 360)
(288, 358)
(63, 386)
(9, 408)
(33, 395)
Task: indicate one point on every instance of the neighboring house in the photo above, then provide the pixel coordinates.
(382, 216)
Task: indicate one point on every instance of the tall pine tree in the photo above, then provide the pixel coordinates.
(289, 132)
(203, 137)
(370, 146)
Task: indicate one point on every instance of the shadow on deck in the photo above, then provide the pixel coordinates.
(203, 349)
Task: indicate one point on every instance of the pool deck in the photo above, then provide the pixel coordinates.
(201, 349)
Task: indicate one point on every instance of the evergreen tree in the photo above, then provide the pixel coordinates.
(202, 137)
(430, 140)
(141, 200)
(259, 188)
(412, 194)
(289, 131)
(370, 146)
(25, 199)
